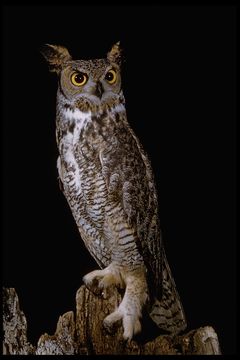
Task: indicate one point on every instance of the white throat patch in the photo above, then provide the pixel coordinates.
(77, 115)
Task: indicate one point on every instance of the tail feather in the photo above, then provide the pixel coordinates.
(168, 312)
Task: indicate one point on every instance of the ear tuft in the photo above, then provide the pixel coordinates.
(56, 56)
(115, 54)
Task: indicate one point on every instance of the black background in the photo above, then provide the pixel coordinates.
(179, 85)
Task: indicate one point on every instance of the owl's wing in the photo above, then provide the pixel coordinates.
(131, 185)
(129, 178)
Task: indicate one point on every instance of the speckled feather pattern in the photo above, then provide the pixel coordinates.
(108, 182)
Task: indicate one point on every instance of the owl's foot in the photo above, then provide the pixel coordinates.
(101, 281)
(130, 309)
(131, 324)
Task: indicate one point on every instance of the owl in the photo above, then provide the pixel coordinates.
(109, 184)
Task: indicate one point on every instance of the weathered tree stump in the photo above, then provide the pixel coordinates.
(14, 326)
(82, 332)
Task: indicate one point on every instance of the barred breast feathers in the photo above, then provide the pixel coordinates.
(108, 182)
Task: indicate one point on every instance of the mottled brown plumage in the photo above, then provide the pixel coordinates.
(108, 182)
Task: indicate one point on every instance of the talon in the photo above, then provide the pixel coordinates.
(107, 326)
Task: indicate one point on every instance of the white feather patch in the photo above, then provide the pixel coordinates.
(118, 108)
(72, 177)
(77, 115)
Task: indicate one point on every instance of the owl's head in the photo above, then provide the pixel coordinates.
(86, 83)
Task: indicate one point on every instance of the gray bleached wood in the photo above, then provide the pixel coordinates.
(14, 326)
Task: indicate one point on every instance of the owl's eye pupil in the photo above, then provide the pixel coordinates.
(109, 76)
(79, 78)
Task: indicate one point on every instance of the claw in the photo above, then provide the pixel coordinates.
(112, 321)
(99, 282)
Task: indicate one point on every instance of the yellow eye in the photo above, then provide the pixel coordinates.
(111, 76)
(79, 78)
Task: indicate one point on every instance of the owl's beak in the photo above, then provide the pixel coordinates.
(99, 90)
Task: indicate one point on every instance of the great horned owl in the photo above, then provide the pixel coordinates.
(108, 182)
